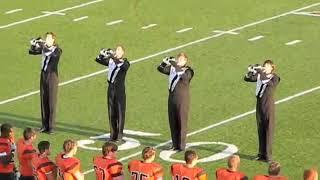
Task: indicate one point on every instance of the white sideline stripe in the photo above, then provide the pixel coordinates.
(13, 11)
(114, 22)
(293, 42)
(219, 31)
(184, 30)
(149, 26)
(238, 117)
(307, 14)
(255, 38)
(53, 12)
(164, 52)
(80, 18)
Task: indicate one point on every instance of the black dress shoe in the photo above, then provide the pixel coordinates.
(261, 159)
(117, 141)
(50, 132)
(41, 130)
(171, 148)
(178, 149)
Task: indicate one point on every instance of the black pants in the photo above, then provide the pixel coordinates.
(117, 110)
(27, 178)
(265, 116)
(178, 109)
(7, 176)
(48, 95)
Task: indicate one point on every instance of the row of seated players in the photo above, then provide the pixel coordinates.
(37, 165)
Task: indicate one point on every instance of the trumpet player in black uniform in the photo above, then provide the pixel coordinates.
(180, 76)
(118, 67)
(267, 81)
(50, 53)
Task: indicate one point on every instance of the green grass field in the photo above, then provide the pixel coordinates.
(217, 90)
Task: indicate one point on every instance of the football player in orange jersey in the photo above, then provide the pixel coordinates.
(69, 166)
(107, 167)
(274, 173)
(231, 172)
(7, 149)
(26, 152)
(310, 174)
(188, 171)
(146, 169)
(43, 167)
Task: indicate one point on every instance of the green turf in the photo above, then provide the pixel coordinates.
(217, 89)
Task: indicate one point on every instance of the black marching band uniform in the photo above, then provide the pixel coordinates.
(265, 109)
(178, 101)
(116, 93)
(48, 82)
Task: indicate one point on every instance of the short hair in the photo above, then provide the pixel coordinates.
(310, 174)
(233, 161)
(274, 168)
(43, 146)
(189, 156)
(68, 145)
(6, 129)
(109, 147)
(28, 133)
(148, 152)
(268, 61)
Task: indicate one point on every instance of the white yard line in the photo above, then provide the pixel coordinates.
(114, 22)
(293, 42)
(184, 30)
(219, 31)
(234, 118)
(255, 38)
(49, 14)
(13, 11)
(80, 18)
(307, 14)
(162, 52)
(149, 26)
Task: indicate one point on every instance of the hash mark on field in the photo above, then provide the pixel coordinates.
(46, 15)
(149, 26)
(53, 13)
(13, 11)
(204, 39)
(225, 32)
(255, 38)
(184, 30)
(114, 22)
(80, 18)
(293, 42)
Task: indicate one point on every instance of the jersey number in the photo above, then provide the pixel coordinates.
(177, 177)
(100, 172)
(138, 176)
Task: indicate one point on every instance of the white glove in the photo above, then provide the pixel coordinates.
(251, 69)
(13, 147)
(110, 52)
(36, 42)
(166, 60)
(104, 52)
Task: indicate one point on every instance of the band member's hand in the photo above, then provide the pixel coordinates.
(166, 60)
(103, 53)
(36, 42)
(172, 60)
(110, 52)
